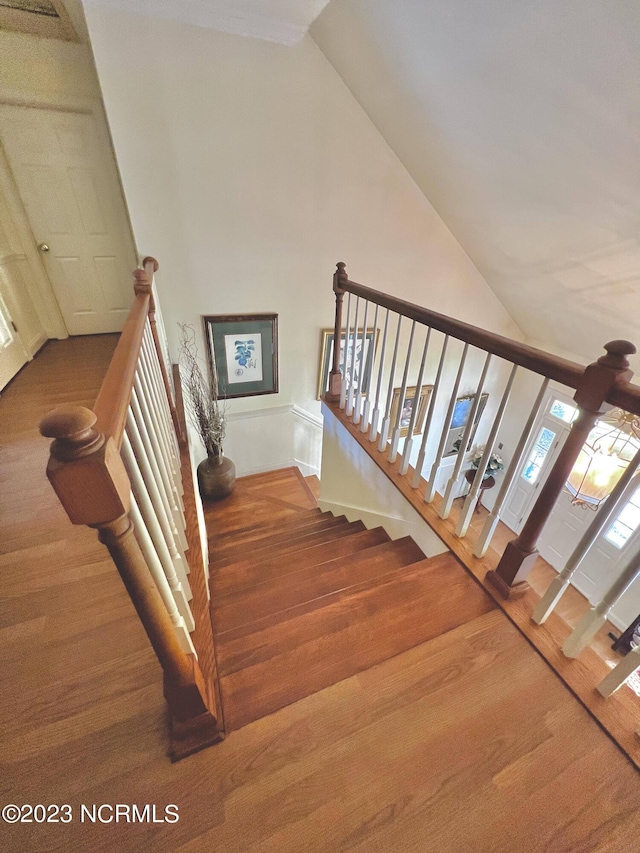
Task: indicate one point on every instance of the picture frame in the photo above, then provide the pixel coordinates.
(326, 355)
(407, 409)
(244, 348)
(459, 421)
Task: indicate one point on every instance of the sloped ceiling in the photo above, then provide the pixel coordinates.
(283, 21)
(520, 121)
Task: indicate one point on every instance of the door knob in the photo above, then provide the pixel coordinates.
(43, 247)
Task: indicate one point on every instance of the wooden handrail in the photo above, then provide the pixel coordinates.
(561, 370)
(113, 398)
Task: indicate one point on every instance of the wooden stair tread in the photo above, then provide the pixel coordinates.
(246, 574)
(312, 583)
(286, 545)
(271, 536)
(300, 518)
(281, 663)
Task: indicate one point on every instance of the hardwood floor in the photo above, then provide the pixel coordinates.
(467, 742)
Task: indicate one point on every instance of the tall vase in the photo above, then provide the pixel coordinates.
(216, 477)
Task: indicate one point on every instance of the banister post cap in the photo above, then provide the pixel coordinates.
(340, 276)
(150, 259)
(617, 352)
(72, 429)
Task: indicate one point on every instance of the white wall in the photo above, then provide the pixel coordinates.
(249, 170)
(352, 484)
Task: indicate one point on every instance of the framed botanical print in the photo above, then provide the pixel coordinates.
(408, 404)
(356, 360)
(244, 348)
(460, 419)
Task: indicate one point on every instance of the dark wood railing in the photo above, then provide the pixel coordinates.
(606, 381)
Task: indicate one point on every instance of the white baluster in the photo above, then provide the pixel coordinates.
(146, 546)
(366, 382)
(512, 472)
(152, 524)
(447, 502)
(343, 383)
(395, 435)
(408, 442)
(161, 393)
(592, 621)
(386, 423)
(629, 664)
(357, 411)
(144, 417)
(417, 476)
(446, 424)
(155, 405)
(472, 498)
(375, 419)
(351, 371)
(608, 510)
(138, 435)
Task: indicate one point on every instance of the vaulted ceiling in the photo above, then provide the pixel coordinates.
(520, 121)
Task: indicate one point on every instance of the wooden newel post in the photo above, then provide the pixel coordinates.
(598, 380)
(335, 377)
(88, 475)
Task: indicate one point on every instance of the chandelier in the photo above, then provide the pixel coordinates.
(606, 453)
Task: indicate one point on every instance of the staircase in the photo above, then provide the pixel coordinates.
(306, 600)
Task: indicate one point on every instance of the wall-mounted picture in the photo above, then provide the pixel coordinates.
(245, 350)
(460, 419)
(408, 403)
(326, 356)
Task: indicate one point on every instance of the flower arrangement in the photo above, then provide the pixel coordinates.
(202, 398)
(494, 464)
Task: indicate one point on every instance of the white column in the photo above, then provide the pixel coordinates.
(432, 407)
(152, 525)
(137, 432)
(592, 621)
(357, 410)
(343, 384)
(146, 546)
(408, 442)
(491, 523)
(629, 664)
(144, 419)
(608, 510)
(472, 497)
(395, 435)
(351, 361)
(445, 509)
(431, 485)
(384, 432)
(375, 418)
(366, 382)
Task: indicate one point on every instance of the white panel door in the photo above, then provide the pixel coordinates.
(72, 198)
(12, 353)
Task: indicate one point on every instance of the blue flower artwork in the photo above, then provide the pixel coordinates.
(244, 358)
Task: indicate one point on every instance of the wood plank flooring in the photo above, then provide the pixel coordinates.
(467, 742)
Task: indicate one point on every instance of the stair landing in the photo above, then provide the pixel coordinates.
(302, 600)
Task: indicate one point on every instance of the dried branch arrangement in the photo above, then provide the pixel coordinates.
(205, 406)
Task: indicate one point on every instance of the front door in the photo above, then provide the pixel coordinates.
(547, 439)
(67, 182)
